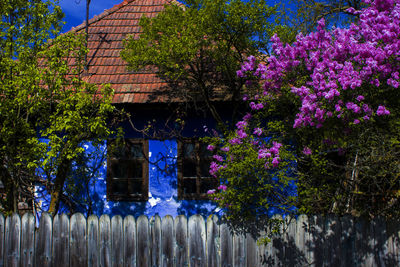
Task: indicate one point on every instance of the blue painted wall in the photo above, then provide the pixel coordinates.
(163, 182)
(163, 187)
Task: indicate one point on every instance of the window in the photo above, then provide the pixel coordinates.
(128, 170)
(194, 179)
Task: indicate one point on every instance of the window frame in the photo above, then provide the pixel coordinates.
(111, 159)
(199, 179)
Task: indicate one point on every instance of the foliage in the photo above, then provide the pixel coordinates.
(47, 109)
(334, 96)
(253, 185)
(198, 47)
(303, 15)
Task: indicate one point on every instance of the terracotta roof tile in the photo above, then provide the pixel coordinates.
(106, 32)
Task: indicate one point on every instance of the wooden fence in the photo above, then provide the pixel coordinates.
(77, 241)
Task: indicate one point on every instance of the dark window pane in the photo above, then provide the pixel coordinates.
(205, 168)
(135, 186)
(136, 151)
(188, 150)
(189, 186)
(207, 184)
(204, 152)
(118, 151)
(136, 169)
(120, 187)
(189, 168)
(120, 169)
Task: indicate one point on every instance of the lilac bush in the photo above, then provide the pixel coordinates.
(340, 63)
(325, 100)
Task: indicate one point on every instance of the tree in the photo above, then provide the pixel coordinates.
(47, 110)
(199, 47)
(330, 104)
(303, 15)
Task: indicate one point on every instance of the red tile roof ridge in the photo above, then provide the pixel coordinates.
(112, 10)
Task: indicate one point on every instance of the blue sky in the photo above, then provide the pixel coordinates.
(75, 10)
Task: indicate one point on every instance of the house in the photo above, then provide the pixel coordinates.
(163, 173)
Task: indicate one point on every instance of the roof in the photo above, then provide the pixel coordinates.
(106, 32)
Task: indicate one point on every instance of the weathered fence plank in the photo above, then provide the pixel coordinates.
(27, 239)
(307, 241)
(251, 251)
(197, 241)
(168, 241)
(130, 241)
(393, 243)
(93, 241)
(263, 249)
(302, 240)
(363, 253)
(380, 237)
(12, 241)
(117, 240)
(239, 250)
(78, 252)
(181, 252)
(43, 244)
(332, 248)
(226, 246)
(347, 240)
(60, 244)
(2, 228)
(290, 243)
(317, 232)
(143, 241)
(213, 242)
(155, 247)
(105, 241)
(277, 245)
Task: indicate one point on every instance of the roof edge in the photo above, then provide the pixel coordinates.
(110, 11)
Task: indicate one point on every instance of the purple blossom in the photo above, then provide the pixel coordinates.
(247, 117)
(241, 134)
(255, 106)
(214, 167)
(210, 147)
(360, 98)
(235, 141)
(241, 124)
(218, 158)
(225, 149)
(307, 151)
(339, 60)
(382, 111)
(275, 162)
(264, 153)
(222, 187)
(210, 192)
(240, 74)
(257, 131)
(275, 148)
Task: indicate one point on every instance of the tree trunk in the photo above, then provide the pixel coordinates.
(59, 181)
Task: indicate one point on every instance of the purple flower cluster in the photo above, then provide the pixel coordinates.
(382, 111)
(214, 168)
(271, 155)
(343, 69)
(248, 66)
(307, 151)
(342, 65)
